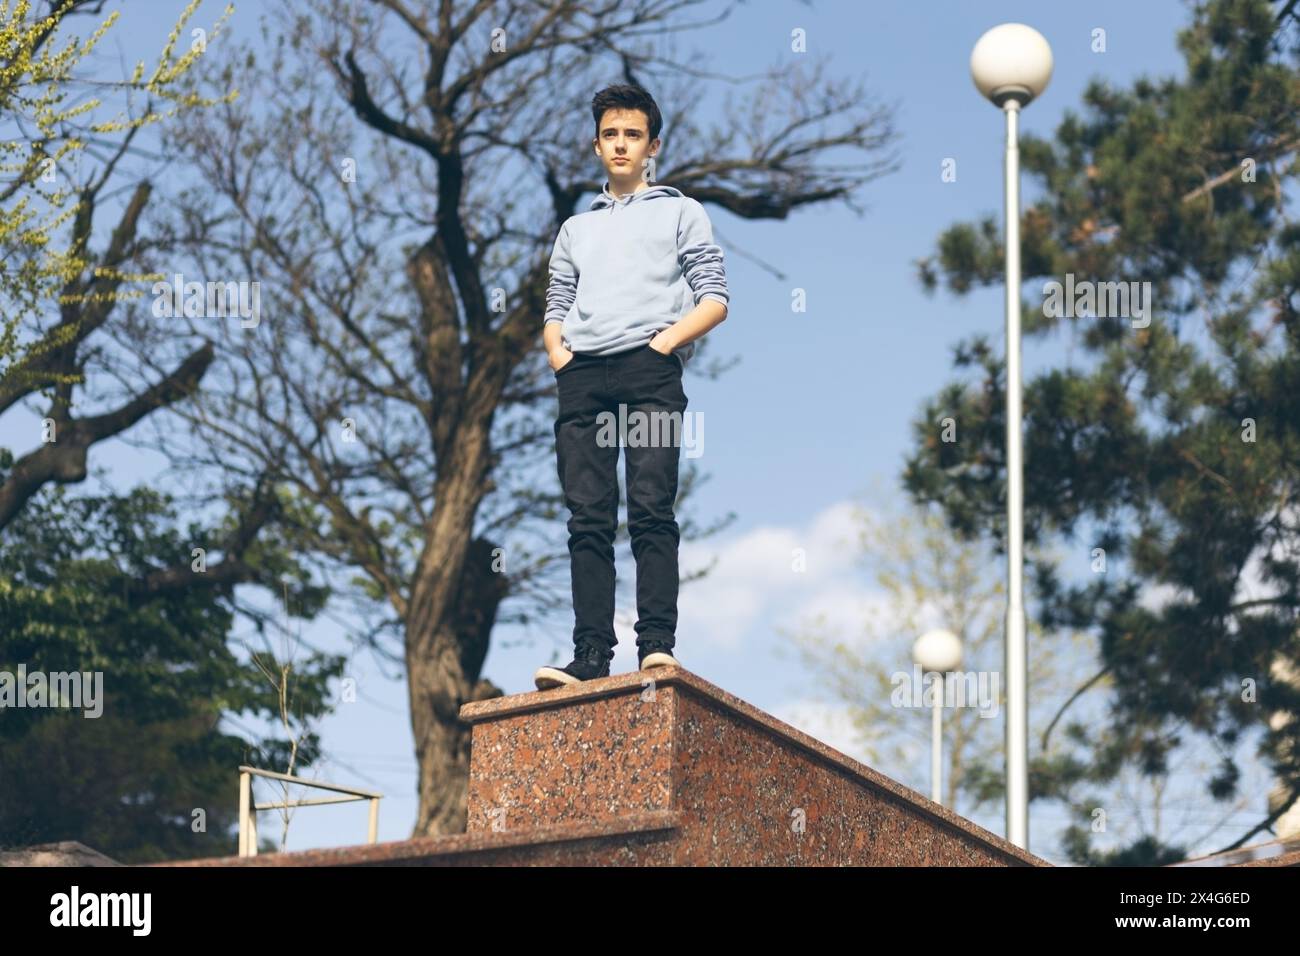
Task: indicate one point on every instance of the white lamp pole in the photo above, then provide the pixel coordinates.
(937, 652)
(1011, 65)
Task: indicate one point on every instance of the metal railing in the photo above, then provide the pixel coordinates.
(248, 809)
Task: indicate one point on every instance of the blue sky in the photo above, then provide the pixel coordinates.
(815, 417)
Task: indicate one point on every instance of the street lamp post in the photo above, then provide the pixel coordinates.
(1011, 65)
(938, 652)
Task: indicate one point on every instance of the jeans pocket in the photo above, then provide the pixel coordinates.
(669, 357)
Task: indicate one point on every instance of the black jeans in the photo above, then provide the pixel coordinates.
(644, 381)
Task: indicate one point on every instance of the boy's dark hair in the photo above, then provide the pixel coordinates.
(626, 96)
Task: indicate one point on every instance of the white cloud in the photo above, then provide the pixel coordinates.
(755, 578)
(754, 584)
(836, 529)
(842, 611)
(829, 723)
(753, 591)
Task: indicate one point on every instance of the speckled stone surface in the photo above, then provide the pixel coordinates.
(750, 789)
(1286, 859)
(64, 853)
(636, 840)
(1281, 852)
(628, 771)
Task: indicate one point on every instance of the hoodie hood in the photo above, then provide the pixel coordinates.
(607, 199)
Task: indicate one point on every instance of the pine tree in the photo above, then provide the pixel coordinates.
(1175, 450)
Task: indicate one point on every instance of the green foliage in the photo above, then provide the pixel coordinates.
(1148, 451)
(1146, 851)
(127, 783)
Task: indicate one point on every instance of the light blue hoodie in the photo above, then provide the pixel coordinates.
(630, 267)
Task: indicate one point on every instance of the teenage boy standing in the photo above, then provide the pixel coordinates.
(633, 282)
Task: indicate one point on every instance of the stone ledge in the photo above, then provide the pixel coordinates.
(534, 845)
(619, 745)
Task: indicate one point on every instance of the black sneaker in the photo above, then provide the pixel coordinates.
(587, 664)
(654, 654)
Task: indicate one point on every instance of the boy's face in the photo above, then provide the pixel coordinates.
(623, 144)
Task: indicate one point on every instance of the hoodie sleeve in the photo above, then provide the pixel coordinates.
(562, 287)
(699, 256)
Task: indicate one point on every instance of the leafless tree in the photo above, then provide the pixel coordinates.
(394, 176)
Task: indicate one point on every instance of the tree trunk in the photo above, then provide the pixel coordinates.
(454, 604)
